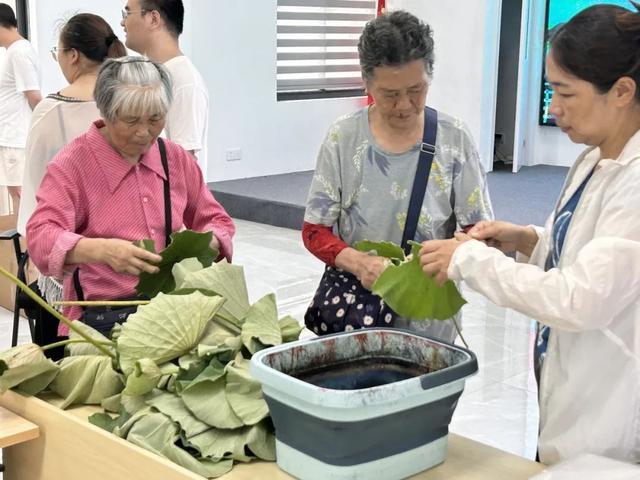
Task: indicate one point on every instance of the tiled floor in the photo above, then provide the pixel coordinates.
(498, 406)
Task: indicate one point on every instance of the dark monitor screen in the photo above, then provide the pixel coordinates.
(559, 12)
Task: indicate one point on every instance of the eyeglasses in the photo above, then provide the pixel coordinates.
(126, 13)
(55, 50)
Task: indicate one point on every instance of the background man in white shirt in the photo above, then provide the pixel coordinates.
(152, 28)
(19, 94)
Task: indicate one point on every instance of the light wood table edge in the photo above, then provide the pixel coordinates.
(14, 429)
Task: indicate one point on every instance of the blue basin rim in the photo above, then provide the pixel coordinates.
(353, 443)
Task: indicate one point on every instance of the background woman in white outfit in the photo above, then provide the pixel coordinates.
(582, 280)
(85, 41)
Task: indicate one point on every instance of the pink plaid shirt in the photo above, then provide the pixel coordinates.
(89, 190)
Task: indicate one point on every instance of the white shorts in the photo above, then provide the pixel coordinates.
(11, 166)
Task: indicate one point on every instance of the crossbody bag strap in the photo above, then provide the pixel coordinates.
(167, 215)
(425, 160)
(167, 193)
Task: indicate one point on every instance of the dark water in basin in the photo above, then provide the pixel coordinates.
(360, 373)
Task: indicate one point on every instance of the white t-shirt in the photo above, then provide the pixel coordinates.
(18, 74)
(188, 119)
(56, 121)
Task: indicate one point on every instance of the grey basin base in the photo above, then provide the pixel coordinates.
(395, 467)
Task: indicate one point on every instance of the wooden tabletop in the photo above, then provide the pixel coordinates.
(15, 429)
(96, 449)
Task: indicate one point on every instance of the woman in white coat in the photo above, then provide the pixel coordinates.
(581, 273)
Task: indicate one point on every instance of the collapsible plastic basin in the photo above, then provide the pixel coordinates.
(368, 404)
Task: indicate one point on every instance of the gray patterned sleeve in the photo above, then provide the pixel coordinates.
(471, 192)
(324, 200)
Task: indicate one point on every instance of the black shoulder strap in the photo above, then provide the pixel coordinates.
(167, 216)
(427, 152)
(167, 193)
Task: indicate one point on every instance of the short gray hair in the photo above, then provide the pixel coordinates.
(133, 86)
(395, 39)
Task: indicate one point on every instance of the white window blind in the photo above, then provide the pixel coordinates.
(318, 43)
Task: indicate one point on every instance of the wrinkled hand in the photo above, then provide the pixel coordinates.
(504, 236)
(435, 256)
(369, 269)
(124, 257)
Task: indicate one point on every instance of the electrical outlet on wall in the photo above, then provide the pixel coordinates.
(234, 154)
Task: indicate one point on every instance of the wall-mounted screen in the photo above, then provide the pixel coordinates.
(559, 12)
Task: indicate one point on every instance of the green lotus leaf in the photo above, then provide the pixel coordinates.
(290, 329)
(26, 365)
(173, 407)
(382, 249)
(185, 244)
(260, 327)
(244, 394)
(181, 269)
(412, 294)
(85, 348)
(158, 434)
(205, 398)
(232, 444)
(86, 379)
(227, 281)
(168, 327)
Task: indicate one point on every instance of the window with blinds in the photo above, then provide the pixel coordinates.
(318, 46)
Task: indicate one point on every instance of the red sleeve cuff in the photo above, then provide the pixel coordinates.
(320, 240)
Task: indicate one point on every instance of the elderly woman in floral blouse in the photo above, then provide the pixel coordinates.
(365, 172)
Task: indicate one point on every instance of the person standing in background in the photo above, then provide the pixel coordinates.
(153, 28)
(19, 94)
(85, 41)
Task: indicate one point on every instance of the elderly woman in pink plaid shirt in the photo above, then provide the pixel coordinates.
(112, 186)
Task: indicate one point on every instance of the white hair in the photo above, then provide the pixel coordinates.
(132, 86)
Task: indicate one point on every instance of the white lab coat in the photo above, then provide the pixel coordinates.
(590, 381)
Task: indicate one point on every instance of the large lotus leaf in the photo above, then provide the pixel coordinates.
(412, 294)
(215, 334)
(173, 407)
(26, 364)
(290, 329)
(86, 348)
(157, 433)
(181, 269)
(86, 379)
(227, 281)
(37, 384)
(260, 327)
(166, 328)
(218, 444)
(382, 249)
(262, 441)
(205, 398)
(243, 393)
(185, 244)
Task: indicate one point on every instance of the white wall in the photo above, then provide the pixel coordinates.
(466, 35)
(234, 46)
(537, 144)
